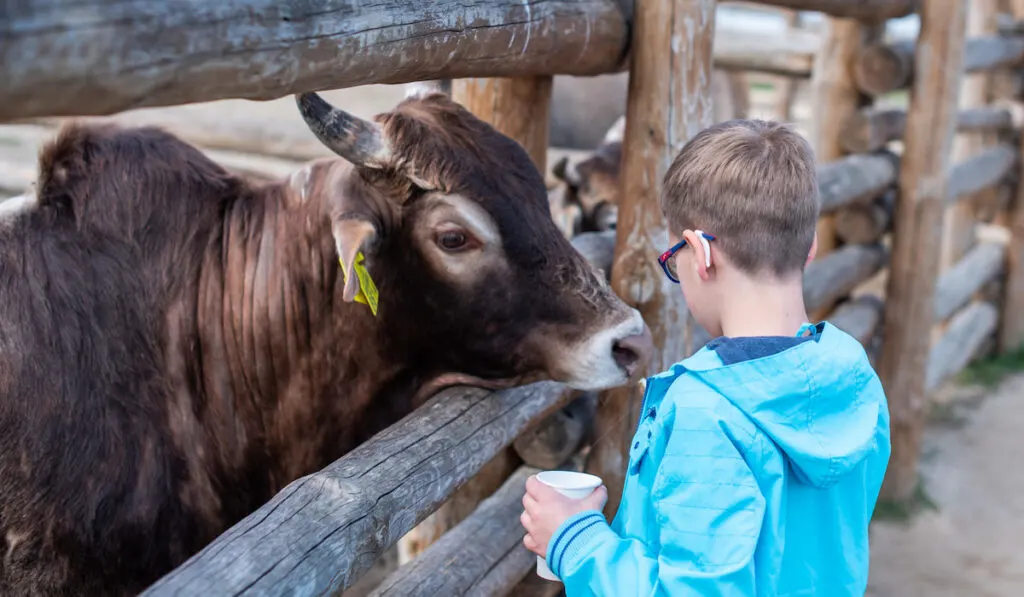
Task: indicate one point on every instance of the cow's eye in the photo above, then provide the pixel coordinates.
(452, 240)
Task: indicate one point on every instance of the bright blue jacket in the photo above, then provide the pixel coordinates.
(750, 475)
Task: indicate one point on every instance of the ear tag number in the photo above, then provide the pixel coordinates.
(367, 289)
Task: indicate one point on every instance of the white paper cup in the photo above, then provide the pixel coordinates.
(572, 485)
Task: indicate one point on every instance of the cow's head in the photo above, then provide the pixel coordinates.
(473, 275)
(593, 185)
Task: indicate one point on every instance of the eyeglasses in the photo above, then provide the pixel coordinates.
(669, 265)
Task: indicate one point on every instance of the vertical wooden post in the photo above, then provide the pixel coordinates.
(959, 225)
(931, 118)
(518, 107)
(834, 98)
(1011, 332)
(668, 102)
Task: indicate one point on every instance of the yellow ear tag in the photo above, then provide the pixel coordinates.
(367, 289)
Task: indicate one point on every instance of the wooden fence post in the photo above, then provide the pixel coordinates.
(959, 226)
(668, 102)
(1011, 333)
(835, 98)
(924, 168)
(518, 107)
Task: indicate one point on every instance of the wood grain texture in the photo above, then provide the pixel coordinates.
(1011, 326)
(920, 206)
(833, 276)
(78, 57)
(855, 178)
(322, 531)
(864, 10)
(549, 443)
(959, 225)
(968, 331)
(464, 557)
(882, 68)
(785, 53)
(982, 264)
(871, 129)
(986, 168)
(668, 102)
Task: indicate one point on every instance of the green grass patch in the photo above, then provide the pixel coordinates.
(893, 511)
(990, 371)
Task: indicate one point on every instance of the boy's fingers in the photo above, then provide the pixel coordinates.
(538, 490)
(529, 543)
(529, 504)
(597, 499)
(526, 521)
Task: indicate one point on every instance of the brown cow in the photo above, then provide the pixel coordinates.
(177, 343)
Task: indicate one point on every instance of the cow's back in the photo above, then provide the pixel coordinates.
(86, 455)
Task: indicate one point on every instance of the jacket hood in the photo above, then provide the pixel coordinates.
(819, 400)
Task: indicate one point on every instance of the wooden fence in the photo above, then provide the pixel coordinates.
(887, 185)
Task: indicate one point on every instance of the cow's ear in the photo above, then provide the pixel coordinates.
(351, 235)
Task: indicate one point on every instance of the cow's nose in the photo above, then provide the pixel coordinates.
(633, 351)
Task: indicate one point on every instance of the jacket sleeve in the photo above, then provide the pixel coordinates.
(708, 510)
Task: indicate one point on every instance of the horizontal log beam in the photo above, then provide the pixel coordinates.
(787, 53)
(462, 559)
(855, 178)
(882, 68)
(835, 275)
(859, 317)
(868, 11)
(982, 264)
(982, 170)
(866, 223)
(322, 531)
(872, 128)
(69, 57)
(968, 331)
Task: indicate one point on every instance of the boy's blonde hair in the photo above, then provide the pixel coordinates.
(753, 184)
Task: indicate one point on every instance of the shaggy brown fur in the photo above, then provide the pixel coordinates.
(174, 347)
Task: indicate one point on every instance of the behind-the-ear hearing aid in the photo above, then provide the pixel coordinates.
(704, 245)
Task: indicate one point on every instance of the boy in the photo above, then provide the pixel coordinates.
(757, 461)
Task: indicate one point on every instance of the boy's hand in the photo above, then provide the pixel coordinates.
(544, 510)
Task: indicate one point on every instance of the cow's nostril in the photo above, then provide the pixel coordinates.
(632, 352)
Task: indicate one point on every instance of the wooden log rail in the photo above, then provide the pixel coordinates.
(982, 264)
(322, 531)
(855, 178)
(963, 338)
(882, 68)
(868, 11)
(871, 129)
(97, 57)
(984, 169)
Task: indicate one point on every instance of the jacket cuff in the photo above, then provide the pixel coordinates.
(572, 539)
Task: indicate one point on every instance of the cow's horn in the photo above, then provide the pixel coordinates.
(359, 141)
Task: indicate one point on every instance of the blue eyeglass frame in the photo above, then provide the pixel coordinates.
(663, 259)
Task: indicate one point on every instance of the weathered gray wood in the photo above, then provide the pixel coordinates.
(786, 53)
(882, 68)
(552, 441)
(982, 170)
(833, 276)
(983, 263)
(78, 57)
(866, 223)
(872, 128)
(864, 10)
(855, 178)
(966, 334)
(321, 532)
(859, 317)
(455, 563)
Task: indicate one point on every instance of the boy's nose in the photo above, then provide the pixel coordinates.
(633, 351)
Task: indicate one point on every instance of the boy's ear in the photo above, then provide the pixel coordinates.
(813, 251)
(697, 257)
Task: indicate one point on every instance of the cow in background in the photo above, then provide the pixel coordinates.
(178, 343)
